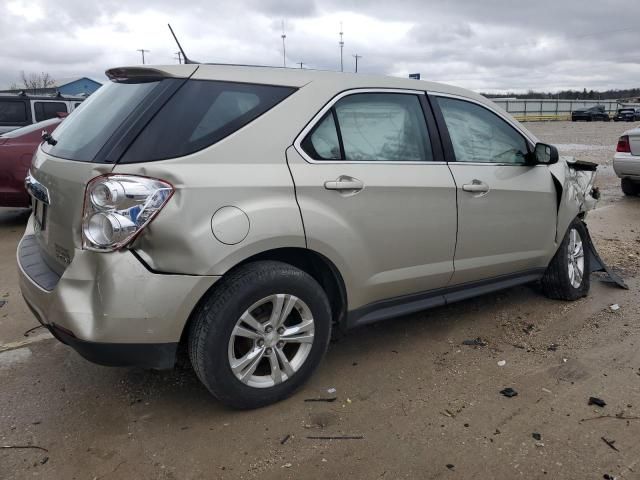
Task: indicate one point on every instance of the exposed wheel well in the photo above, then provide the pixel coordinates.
(316, 265)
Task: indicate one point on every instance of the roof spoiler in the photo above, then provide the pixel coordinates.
(135, 74)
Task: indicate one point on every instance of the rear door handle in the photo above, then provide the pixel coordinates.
(344, 183)
(476, 186)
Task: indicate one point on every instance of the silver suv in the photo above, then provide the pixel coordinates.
(244, 212)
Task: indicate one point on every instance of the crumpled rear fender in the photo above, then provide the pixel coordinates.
(575, 192)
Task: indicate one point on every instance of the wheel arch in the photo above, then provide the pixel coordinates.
(322, 269)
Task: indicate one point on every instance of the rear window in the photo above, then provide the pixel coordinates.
(31, 128)
(85, 132)
(47, 110)
(13, 112)
(200, 114)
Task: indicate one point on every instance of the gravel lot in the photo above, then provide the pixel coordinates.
(425, 405)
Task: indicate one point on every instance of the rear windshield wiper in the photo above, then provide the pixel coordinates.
(46, 136)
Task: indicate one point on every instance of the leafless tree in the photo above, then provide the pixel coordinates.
(34, 83)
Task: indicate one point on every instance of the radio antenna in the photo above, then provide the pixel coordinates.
(184, 55)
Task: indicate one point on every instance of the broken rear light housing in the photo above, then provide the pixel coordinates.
(623, 144)
(118, 207)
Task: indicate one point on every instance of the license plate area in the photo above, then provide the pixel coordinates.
(39, 215)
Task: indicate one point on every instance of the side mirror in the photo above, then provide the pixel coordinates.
(545, 154)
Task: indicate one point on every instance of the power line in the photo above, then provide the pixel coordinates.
(300, 63)
(356, 56)
(142, 51)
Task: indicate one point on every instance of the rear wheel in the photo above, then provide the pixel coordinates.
(567, 276)
(260, 334)
(629, 187)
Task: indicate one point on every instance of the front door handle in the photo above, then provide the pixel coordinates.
(476, 186)
(344, 183)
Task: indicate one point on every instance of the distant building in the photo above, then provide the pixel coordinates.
(66, 86)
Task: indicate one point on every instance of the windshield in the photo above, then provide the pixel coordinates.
(31, 128)
(87, 129)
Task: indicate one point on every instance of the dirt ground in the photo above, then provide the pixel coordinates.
(421, 404)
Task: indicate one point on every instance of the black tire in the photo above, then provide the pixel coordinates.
(629, 187)
(216, 317)
(556, 282)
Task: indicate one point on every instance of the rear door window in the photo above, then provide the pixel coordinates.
(372, 127)
(47, 110)
(200, 114)
(13, 112)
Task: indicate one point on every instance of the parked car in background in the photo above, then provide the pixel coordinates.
(241, 213)
(21, 110)
(590, 114)
(16, 152)
(626, 161)
(626, 115)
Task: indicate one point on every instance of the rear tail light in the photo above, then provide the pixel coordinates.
(118, 207)
(623, 145)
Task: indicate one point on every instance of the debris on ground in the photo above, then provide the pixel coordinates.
(330, 399)
(287, 465)
(25, 446)
(508, 392)
(331, 390)
(285, 439)
(606, 476)
(476, 342)
(2, 303)
(618, 416)
(502, 363)
(26, 334)
(539, 444)
(552, 348)
(450, 466)
(615, 307)
(610, 443)
(597, 401)
(536, 436)
(546, 390)
(338, 437)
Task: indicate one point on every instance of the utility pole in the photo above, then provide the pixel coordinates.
(356, 56)
(301, 64)
(142, 51)
(179, 55)
(341, 49)
(284, 49)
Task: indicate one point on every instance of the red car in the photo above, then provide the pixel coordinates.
(16, 150)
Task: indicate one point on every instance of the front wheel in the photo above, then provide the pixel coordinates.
(567, 276)
(260, 334)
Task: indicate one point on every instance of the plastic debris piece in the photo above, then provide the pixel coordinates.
(332, 399)
(509, 392)
(450, 466)
(502, 363)
(285, 439)
(546, 390)
(287, 465)
(597, 401)
(341, 437)
(331, 390)
(536, 436)
(539, 444)
(615, 307)
(552, 348)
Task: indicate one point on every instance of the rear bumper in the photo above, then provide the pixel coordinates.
(627, 165)
(110, 307)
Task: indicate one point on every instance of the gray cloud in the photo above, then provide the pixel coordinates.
(490, 45)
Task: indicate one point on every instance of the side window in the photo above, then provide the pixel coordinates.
(322, 143)
(13, 112)
(383, 127)
(46, 110)
(479, 135)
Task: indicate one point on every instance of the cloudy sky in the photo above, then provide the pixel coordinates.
(487, 45)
